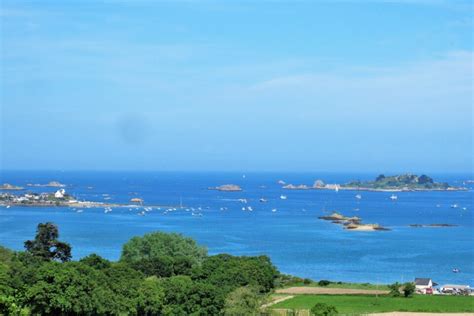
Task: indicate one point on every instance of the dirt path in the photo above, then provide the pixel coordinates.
(323, 290)
(277, 300)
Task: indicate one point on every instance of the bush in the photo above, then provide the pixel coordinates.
(324, 283)
(395, 289)
(307, 281)
(408, 289)
(322, 309)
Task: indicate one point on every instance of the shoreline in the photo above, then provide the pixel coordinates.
(89, 205)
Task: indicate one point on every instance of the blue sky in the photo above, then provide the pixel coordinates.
(374, 86)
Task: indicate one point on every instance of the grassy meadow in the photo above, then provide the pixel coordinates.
(359, 304)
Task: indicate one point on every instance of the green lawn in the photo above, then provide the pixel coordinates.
(370, 304)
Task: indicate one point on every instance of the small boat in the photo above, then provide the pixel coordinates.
(456, 270)
(243, 201)
(464, 208)
(79, 211)
(283, 197)
(243, 208)
(142, 213)
(393, 197)
(274, 210)
(336, 188)
(8, 206)
(358, 196)
(454, 206)
(249, 208)
(263, 200)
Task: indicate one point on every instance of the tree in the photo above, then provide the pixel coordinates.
(395, 289)
(242, 301)
(46, 244)
(183, 296)
(408, 289)
(324, 283)
(230, 272)
(323, 309)
(173, 251)
(95, 261)
(380, 177)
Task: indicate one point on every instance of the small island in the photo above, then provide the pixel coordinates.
(352, 223)
(8, 186)
(226, 188)
(397, 183)
(51, 184)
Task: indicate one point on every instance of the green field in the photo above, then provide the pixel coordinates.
(371, 304)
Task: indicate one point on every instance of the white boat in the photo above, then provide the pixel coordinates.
(393, 197)
(80, 211)
(263, 200)
(243, 209)
(274, 210)
(336, 188)
(283, 197)
(249, 208)
(8, 206)
(358, 196)
(454, 206)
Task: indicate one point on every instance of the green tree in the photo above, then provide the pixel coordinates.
(395, 289)
(230, 272)
(242, 301)
(95, 261)
(163, 254)
(46, 244)
(183, 296)
(409, 289)
(323, 309)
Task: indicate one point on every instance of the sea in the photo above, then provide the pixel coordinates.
(287, 230)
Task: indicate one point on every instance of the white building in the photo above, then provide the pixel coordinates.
(60, 193)
(424, 285)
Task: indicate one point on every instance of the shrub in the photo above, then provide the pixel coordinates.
(324, 283)
(322, 309)
(307, 281)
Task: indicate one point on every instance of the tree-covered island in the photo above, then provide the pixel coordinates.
(404, 182)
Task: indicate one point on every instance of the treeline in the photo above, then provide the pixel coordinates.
(157, 274)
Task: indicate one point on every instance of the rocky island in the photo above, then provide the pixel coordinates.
(351, 223)
(8, 186)
(397, 183)
(226, 188)
(51, 184)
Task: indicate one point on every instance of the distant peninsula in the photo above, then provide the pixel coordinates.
(8, 186)
(397, 183)
(226, 188)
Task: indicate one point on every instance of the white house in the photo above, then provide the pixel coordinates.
(60, 193)
(424, 285)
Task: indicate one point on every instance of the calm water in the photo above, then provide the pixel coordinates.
(297, 242)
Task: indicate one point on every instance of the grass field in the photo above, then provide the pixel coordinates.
(371, 304)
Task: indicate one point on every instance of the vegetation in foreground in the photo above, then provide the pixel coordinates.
(157, 274)
(355, 304)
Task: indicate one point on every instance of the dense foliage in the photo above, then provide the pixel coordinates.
(158, 274)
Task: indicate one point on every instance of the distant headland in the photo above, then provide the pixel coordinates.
(397, 183)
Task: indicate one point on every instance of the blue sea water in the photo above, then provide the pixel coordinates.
(295, 239)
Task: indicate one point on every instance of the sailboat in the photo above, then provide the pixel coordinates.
(393, 197)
